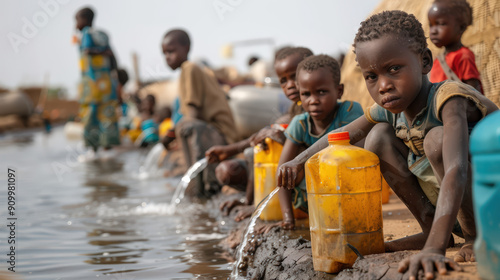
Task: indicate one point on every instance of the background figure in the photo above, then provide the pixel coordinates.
(206, 117)
(98, 97)
(448, 20)
(149, 125)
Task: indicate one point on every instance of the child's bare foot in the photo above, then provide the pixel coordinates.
(283, 224)
(466, 254)
(244, 211)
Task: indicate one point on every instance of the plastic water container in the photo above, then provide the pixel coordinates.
(344, 198)
(266, 159)
(485, 151)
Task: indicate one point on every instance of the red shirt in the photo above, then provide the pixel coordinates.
(461, 61)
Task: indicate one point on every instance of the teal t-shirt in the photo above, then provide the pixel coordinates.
(299, 130)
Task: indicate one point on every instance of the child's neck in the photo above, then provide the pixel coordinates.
(420, 101)
(318, 126)
(453, 47)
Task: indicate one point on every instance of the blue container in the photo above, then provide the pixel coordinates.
(485, 151)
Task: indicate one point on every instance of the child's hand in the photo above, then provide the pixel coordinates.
(289, 173)
(268, 132)
(429, 260)
(217, 153)
(226, 206)
(169, 138)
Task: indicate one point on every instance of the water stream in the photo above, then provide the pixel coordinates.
(242, 259)
(151, 165)
(192, 172)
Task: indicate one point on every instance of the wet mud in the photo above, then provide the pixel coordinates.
(284, 254)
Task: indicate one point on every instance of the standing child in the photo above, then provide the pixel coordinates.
(98, 97)
(448, 20)
(149, 125)
(420, 131)
(239, 173)
(206, 117)
(318, 81)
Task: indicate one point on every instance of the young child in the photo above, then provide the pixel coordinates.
(206, 117)
(448, 20)
(164, 118)
(149, 126)
(420, 131)
(98, 97)
(238, 173)
(318, 81)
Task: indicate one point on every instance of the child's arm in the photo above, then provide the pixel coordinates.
(192, 81)
(292, 172)
(290, 151)
(222, 152)
(192, 112)
(475, 83)
(268, 132)
(455, 162)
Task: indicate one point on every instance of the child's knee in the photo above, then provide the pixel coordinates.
(433, 145)
(187, 128)
(379, 137)
(232, 173)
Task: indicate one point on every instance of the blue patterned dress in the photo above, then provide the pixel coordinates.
(97, 92)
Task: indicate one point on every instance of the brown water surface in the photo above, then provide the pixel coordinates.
(97, 220)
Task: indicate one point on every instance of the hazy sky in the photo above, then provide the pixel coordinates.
(36, 35)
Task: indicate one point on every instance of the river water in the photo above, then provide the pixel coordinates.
(98, 220)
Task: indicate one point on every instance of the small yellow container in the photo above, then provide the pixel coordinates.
(344, 198)
(266, 159)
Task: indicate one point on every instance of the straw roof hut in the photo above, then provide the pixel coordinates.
(483, 38)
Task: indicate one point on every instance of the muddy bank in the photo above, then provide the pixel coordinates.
(282, 254)
(385, 266)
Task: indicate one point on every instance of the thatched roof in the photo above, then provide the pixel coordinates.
(483, 38)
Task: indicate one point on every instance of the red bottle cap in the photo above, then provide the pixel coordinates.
(338, 136)
(284, 125)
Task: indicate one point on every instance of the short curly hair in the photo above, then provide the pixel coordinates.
(86, 13)
(315, 62)
(461, 9)
(288, 51)
(180, 36)
(398, 23)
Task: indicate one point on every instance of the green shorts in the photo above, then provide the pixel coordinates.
(299, 196)
(422, 169)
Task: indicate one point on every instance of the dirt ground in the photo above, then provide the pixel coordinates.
(287, 254)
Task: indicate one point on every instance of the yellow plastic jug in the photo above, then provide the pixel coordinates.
(344, 199)
(266, 158)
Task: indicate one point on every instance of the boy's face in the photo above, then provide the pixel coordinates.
(147, 105)
(80, 22)
(445, 28)
(392, 71)
(285, 69)
(175, 53)
(318, 92)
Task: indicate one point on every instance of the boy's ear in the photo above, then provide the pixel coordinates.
(341, 91)
(463, 27)
(427, 61)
